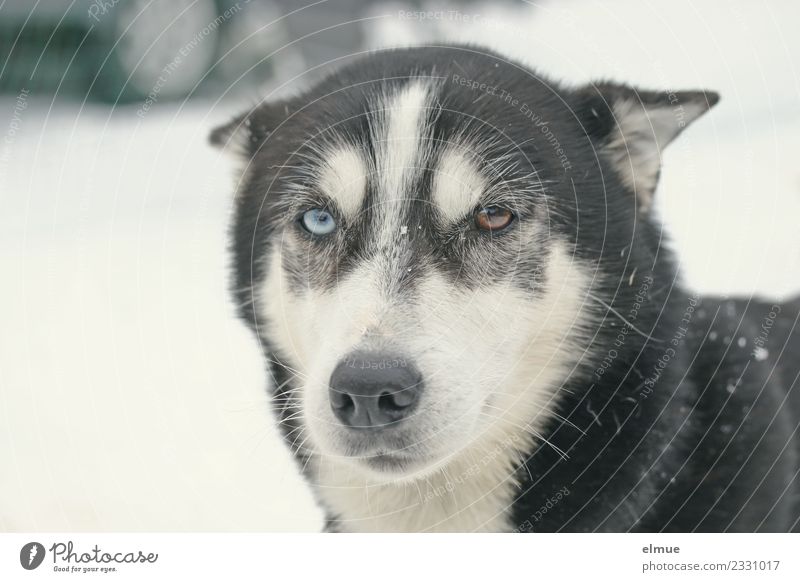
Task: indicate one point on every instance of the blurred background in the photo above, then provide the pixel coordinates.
(131, 398)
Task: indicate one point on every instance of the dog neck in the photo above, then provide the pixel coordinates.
(471, 492)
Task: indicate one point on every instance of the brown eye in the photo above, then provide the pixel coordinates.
(493, 218)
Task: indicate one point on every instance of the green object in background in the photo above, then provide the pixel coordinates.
(149, 51)
(110, 50)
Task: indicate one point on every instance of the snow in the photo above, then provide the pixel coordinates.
(130, 396)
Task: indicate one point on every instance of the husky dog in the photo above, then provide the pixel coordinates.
(472, 321)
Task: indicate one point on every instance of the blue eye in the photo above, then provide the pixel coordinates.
(318, 221)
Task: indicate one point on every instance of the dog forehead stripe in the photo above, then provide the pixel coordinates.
(457, 184)
(402, 146)
(406, 113)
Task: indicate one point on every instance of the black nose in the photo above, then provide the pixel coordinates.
(371, 390)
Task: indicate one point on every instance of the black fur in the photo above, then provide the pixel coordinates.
(703, 441)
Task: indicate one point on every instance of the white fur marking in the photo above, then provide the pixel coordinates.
(457, 185)
(471, 489)
(344, 179)
(400, 151)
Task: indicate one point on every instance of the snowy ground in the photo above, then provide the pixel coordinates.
(131, 399)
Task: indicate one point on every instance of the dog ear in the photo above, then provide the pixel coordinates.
(245, 133)
(632, 127)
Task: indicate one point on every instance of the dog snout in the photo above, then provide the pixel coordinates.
(372, 391)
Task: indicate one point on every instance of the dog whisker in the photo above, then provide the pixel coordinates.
(527, 428)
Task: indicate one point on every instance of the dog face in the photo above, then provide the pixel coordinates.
(422, 244)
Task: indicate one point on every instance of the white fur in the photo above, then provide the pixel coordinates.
(467, 348)
(457, 185)
(401, 145)
(343, 178)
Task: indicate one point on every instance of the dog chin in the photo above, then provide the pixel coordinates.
(391, 468)
(386, 466)
(392, 457)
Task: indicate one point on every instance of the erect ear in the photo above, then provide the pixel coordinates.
(632, 127)
(245, 133)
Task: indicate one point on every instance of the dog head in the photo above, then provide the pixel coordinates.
(427, 243)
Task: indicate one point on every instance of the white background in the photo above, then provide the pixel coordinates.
(131, 399)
